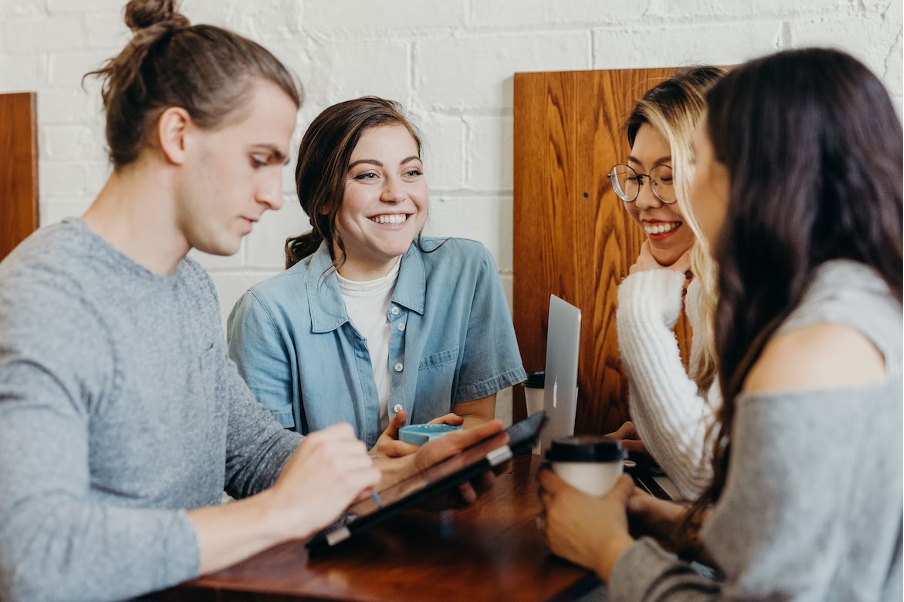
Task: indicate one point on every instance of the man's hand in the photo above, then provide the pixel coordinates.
(328, 472)
(388, 444)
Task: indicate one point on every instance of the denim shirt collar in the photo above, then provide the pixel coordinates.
(325, 300)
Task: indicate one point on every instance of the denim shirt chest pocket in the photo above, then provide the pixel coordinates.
(435, 380)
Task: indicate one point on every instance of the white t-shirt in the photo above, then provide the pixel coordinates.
(367, 304)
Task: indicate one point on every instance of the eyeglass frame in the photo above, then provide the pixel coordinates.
(640, 177)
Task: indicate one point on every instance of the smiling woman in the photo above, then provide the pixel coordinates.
(671, 408)
(372, 323)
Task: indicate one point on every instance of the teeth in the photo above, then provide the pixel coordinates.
(396, 218)
(660, 228)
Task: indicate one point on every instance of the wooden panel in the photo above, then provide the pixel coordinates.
(18, 169)
(572, 237)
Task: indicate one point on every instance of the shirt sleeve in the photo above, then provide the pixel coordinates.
(56, 366)
(262, 357)
(671, 418)
(491, 359)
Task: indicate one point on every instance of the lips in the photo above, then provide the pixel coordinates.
(660, 227)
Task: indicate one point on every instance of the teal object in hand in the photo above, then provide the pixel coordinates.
(419, 434)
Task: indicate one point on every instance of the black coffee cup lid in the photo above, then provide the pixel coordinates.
(585, 448)
(537, 380)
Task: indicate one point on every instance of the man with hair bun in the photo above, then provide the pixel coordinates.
(122, 418)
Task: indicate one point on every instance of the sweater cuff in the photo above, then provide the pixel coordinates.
(658, 290)
(182, 553)
(639, 570)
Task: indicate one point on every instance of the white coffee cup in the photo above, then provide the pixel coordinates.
(591, 463)
(534, 391)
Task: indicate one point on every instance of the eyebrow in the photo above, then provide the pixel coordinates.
(380, 163)
(274, 150)
(660, 161)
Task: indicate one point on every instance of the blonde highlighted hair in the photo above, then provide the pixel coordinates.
(673, 108)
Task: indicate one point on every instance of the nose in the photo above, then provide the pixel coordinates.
(392, 191)
(269, 192)
(645, 197)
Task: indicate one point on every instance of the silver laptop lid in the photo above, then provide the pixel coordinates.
(560, 397)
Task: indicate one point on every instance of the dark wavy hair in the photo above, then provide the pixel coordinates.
(813, 148)
(323, 158)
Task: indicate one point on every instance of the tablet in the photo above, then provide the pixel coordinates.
(420, 487)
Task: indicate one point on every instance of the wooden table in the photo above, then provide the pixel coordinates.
(489, 551)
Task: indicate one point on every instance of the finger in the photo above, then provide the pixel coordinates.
(633, 445)
(467, 493)
(395, 423)
(459, 440)
(396, 449)
(450, 419)
(623, 488)
(551, 483)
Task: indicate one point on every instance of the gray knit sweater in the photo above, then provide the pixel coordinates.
(119, 410)
(812, 508)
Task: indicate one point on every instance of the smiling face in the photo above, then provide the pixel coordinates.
(664, 226)
(234, 173)
(385, 203)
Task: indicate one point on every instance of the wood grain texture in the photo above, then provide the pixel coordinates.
(18, 169)
(572, 237)
(489, 551)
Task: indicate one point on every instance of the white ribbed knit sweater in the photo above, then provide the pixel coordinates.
(671, 418)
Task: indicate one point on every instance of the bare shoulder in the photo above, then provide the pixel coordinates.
(820, 356)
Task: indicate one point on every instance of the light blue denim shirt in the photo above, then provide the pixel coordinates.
(452, 340)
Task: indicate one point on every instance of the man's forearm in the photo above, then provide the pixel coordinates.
(235, 531)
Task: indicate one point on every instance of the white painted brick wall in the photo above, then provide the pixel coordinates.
(450, 62)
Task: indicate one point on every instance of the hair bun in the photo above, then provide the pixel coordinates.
(141, 14)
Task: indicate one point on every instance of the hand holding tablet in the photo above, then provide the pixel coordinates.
(437, 469)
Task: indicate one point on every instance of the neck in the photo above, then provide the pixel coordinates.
(135, 213)
(361, 270)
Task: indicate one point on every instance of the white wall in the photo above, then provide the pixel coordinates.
(450, 62)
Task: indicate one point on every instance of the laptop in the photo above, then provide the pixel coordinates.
(560, 394)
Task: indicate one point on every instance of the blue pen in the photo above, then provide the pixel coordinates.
(376, 498)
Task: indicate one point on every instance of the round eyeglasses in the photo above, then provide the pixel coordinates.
(626, 183)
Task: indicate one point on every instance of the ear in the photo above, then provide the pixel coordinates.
(171, 131)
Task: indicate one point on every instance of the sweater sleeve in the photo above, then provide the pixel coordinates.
(57, 542)
(257, 445)
(802, 516)
(671, 418)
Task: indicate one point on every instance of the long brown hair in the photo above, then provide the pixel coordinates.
(323, 158)
(673, 108)
(813, 147)
(204, 69)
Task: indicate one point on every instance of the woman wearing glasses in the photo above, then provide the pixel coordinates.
(671, 410)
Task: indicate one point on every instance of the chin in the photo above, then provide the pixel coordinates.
(221, 248)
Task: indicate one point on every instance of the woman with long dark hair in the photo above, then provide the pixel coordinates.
(798, 188)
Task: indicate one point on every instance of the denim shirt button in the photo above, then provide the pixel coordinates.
(397, 408)
(394, 311)
(401, 327)
(399, 367)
